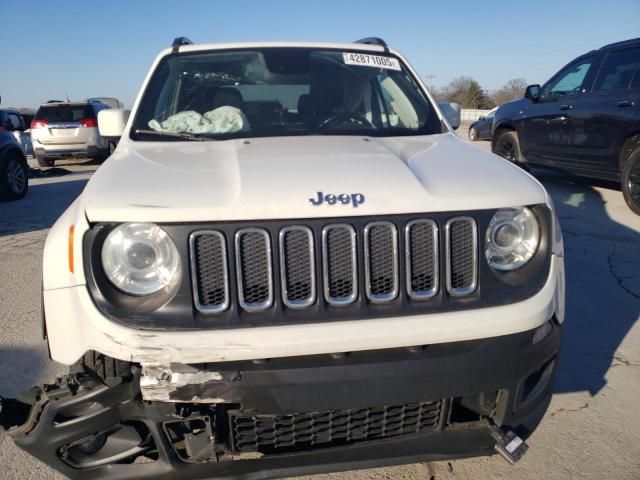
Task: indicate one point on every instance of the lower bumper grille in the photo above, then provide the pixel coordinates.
(306, 431)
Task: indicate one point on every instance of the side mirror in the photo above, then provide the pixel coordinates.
(481, 117)
(111, 121)
(451, 112)
(533, 92)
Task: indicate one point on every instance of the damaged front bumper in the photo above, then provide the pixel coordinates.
(291, 416)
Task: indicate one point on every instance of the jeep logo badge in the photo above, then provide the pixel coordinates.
(354, 199)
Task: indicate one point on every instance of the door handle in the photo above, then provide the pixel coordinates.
(625, 103)
(566, 107)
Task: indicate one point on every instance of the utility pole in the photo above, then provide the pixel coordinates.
(430, 76)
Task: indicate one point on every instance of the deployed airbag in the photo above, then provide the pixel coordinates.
(223, 119)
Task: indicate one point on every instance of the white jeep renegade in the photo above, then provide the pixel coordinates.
(291, 264)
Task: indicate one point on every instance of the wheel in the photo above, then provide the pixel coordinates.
(473, 134)
(110, 370)
(508, 147)
(45, 162)
(14, 177)
(631, 181)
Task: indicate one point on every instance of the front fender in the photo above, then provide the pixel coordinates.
(12, 147)
(62, 258)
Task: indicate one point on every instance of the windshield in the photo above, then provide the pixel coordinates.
(282, 91)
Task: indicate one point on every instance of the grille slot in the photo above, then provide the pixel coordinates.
(421, 255)
(421, 252)
(297, 266)
(209, 271)
(307, 431)
(254, 269)
(381, 261)
(462, 264)
(339, 264)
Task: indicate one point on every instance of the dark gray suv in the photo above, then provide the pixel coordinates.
(14, 180)
(585, 120)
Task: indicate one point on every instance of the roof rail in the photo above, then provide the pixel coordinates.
(372, 41)
(623, 43)
(178, 42)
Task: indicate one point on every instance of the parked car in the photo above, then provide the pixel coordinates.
(481, 128)
(585, 120)
(14, 171)
(16, 122)
(63, 129)
(291, 267)
(112, 102)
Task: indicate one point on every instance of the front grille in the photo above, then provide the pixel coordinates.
(306, 431)
(355, 262)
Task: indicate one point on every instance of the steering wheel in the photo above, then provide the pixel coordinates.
(344, 117)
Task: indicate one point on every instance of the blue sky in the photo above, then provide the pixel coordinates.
(83, 48)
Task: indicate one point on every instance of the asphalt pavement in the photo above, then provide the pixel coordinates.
(592, 427)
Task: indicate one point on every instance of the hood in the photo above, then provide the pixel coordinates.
(277, 178)
(512, 109)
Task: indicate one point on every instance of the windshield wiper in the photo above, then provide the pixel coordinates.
(176, 135)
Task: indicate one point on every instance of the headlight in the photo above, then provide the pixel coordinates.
(140, 259)
(512, 238)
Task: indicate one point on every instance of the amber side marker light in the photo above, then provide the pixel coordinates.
(71, 229)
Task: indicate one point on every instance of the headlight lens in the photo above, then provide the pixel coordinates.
(141, 259)
(512, 238)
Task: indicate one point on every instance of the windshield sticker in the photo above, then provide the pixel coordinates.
(375, 61)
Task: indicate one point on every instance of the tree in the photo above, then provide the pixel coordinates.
(512, 90)
(468, 93)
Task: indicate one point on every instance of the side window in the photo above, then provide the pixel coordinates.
(401, 110)
(15, 121)
(570, 80)
(617, 70)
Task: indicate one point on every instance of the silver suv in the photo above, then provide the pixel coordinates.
(61, 129)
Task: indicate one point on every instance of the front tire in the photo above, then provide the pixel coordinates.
(508, 147)
(473, 134)
(14, 177)
(110, 370)
(630, 179)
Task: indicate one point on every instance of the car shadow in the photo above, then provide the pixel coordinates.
(23, 367)
(603, 287)
(42, 206)
(78, 162)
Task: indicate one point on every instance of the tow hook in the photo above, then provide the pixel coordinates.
(508, 444)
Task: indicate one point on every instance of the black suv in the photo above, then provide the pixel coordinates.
(585, 120)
